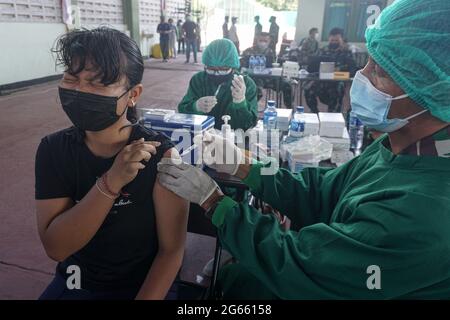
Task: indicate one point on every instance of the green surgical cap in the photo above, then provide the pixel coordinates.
(221, 53)
(410, 40)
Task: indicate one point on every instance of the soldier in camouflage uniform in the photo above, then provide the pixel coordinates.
(331, 93)
(308, 47)
(262, 48)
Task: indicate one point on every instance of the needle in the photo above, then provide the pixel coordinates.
(188, 150)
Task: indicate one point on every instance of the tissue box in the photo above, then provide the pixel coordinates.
(312, 124)
(331, 124)
(283, 119)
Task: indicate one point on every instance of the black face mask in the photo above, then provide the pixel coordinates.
(219, 79)
(333, 46)
(88, 111)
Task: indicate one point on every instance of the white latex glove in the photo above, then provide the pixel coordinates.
(188, 182)
(205, 104)
(238, 89)
(220, 154)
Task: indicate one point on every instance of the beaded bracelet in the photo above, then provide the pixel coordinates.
(102, 192)
(108, 189)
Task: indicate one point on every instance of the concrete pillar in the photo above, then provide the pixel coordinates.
(131, 18)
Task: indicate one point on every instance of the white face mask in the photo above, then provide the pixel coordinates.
(263, 45)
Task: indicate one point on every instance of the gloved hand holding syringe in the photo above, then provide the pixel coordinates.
(217, 152)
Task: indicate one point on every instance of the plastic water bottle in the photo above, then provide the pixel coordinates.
(297, 127)
(263, 63)
(270, 116)
(260, 64)
(356, 133)
(257, 62)
(251, 63)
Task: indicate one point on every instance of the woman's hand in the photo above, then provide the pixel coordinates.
(128, 162)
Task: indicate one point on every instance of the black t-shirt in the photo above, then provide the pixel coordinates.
(191, 29)
(120, 254)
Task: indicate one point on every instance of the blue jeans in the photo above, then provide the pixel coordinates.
(191, 43)
(164, 44)
(57, 290)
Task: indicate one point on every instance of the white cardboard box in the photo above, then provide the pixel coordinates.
(312, 124)
(283, 118)
(331, 124)
(341, 143)
(276, 71)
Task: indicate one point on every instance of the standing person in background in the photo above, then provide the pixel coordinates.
(172, 39)
(190, 31)
(199, 36)
(274, 31)
(258, 29)
(233, 33)
(180, 37)
(226, 33)
(164, 29)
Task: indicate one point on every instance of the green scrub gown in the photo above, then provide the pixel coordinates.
(379, 209)
(243, 115)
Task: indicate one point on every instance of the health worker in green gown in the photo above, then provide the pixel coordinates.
(376, 227)
(220, 90)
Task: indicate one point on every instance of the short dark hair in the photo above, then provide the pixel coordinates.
(312, 30)
(336, 32)
(112, 53)
(264, 34)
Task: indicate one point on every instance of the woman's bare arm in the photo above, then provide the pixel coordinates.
(65, 228)
(171, 222)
